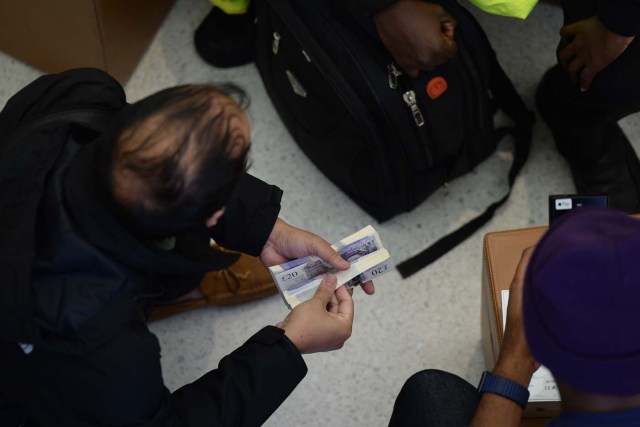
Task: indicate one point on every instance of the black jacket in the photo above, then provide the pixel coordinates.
(366, 8)
(620, 16)
(94, 362)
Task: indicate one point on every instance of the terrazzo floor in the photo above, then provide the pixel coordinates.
(431, 320)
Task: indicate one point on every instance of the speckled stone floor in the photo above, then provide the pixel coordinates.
(431, 320)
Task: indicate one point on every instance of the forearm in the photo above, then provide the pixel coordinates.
(496, 410)
(515, 364)
(120, 383)
(248, 386)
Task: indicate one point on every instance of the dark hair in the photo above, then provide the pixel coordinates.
(170, 164)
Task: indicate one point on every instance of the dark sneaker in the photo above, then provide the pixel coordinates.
(226, 40)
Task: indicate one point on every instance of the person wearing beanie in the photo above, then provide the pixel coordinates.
(573, 307)
(581, 296)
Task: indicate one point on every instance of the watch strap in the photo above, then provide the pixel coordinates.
(504, 387)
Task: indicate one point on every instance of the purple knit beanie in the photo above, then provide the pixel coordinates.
(581, 302)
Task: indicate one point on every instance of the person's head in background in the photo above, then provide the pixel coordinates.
(581, 309)
(172, 160)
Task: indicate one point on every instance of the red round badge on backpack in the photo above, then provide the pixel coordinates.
(436, 87)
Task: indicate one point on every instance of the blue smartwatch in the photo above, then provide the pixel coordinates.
(504, 387)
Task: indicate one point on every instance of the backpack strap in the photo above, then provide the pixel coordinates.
(506, 98)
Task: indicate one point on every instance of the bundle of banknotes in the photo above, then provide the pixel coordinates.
(298, 280)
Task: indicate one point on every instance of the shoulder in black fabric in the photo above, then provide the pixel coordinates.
(34, 127)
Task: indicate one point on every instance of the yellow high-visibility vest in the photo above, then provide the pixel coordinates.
(513, 8)
(232, 7)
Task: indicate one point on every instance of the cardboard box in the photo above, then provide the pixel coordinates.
(501, 254)
(55, 36)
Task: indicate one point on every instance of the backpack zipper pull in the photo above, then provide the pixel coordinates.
(410, 99)
(393, 74)
(275, 45)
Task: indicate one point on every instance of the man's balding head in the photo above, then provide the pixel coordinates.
(176, 157)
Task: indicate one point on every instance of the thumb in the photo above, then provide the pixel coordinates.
(326, 252)
(586, 77)
(326, 289)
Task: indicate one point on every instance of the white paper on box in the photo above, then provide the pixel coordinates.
(542, 387)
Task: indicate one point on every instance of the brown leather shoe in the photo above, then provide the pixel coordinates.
(245, 281)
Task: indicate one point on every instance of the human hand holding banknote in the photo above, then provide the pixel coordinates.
(286, 243)
(322, 323)
(298, 279)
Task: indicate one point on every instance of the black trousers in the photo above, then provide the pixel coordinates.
(584, 124)
(435, 398)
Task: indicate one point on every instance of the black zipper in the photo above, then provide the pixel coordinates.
(417, 117)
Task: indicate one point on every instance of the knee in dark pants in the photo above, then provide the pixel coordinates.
(434, 398)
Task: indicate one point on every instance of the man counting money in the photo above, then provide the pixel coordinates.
(122, 220)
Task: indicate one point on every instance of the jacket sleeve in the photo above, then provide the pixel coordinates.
(249, 216)
(366, 8)
(620, 16)
(248, 386)
(120, 383)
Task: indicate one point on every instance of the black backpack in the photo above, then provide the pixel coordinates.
(34, 126)
(386, 140)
